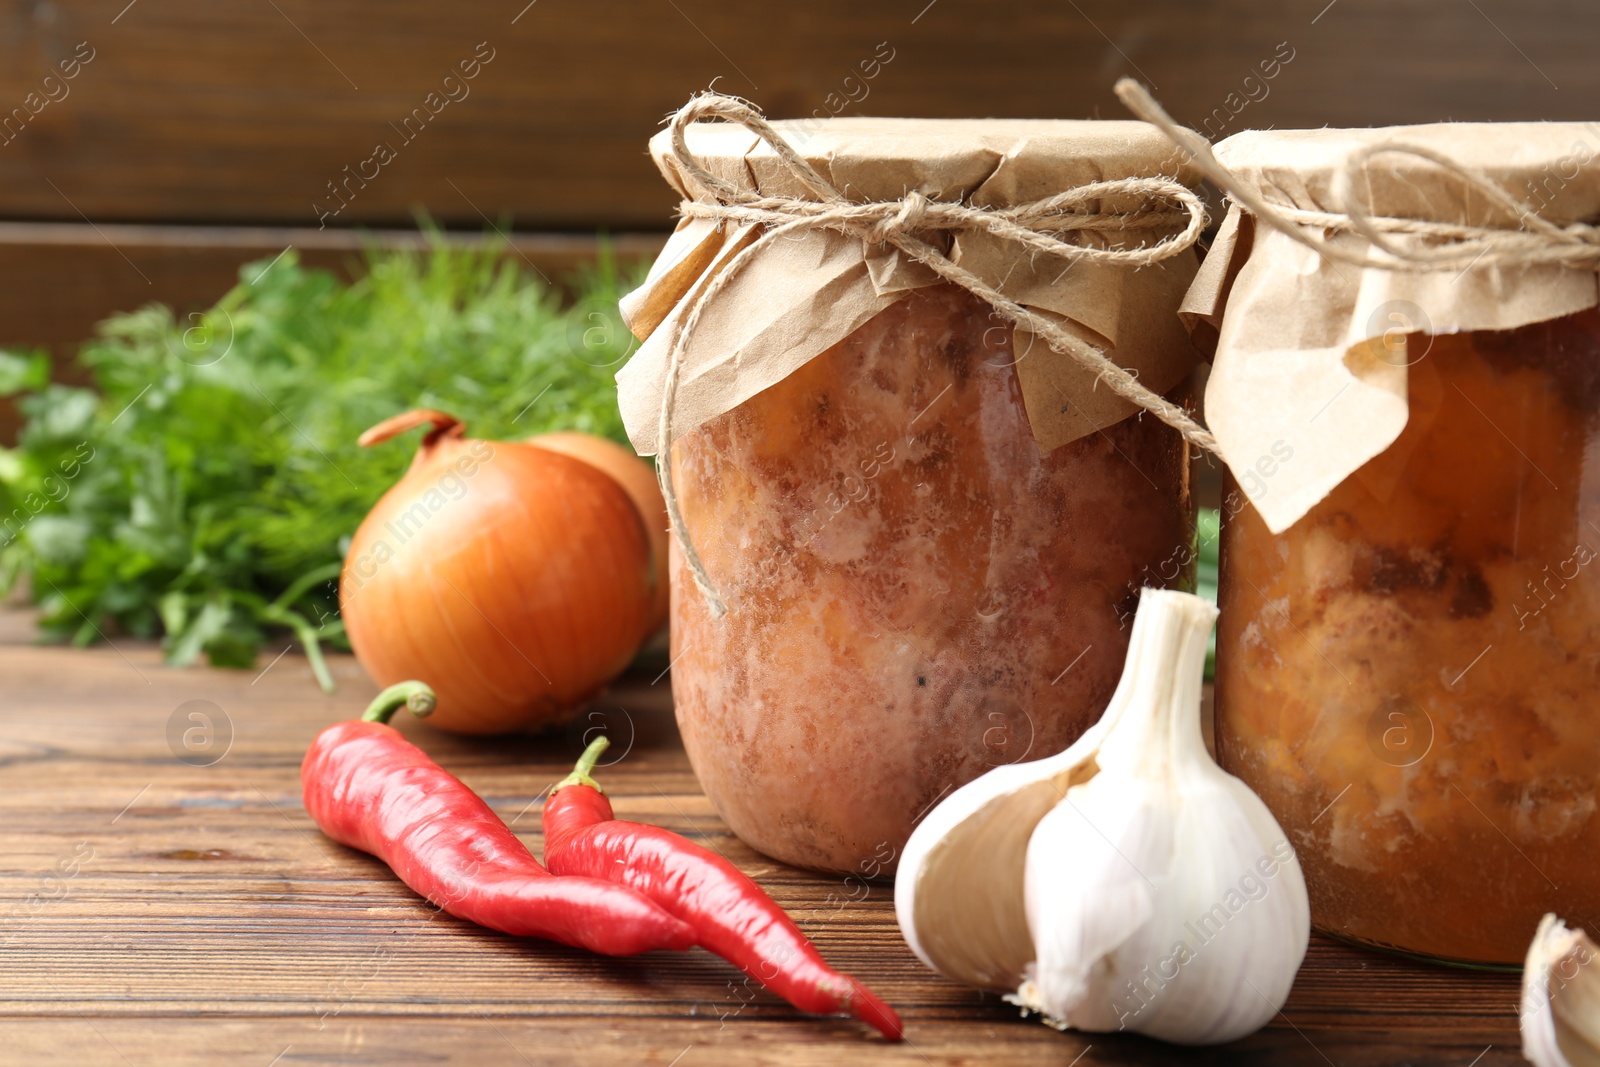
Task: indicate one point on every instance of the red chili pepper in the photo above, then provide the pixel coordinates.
(731, 914)
(368, 787)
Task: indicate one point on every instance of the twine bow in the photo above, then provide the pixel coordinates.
(1443, 246)
(1041, 226)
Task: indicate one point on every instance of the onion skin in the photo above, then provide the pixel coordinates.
(515, 580)
(638, 480)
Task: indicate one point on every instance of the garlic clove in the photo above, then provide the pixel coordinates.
(958, 892)
(1560, 1013)
(1087, 898)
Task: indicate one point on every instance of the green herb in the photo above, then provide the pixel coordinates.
(1208, 530)
(207, 486)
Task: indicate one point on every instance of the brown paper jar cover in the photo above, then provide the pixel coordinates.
(920, 587)
(810, 290)
(1409, 644)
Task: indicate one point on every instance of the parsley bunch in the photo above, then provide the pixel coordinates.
(206, 487)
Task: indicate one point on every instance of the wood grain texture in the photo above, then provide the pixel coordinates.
(62, 278)
(243, 113)
(208, 921)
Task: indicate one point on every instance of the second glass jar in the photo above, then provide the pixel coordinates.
(1407, 675)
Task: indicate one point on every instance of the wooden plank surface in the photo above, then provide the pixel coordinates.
(194, 111)
(155, 911)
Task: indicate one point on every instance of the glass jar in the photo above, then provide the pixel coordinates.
(1407, 675)
(916, 593)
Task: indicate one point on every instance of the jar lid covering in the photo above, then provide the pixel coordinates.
(1311, 353)
(801, 293)
(986, 162)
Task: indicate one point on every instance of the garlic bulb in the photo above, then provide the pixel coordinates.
(1561, 998)
(1125, 884)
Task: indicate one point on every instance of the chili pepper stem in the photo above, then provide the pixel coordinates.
(583, 770)
(413, 695)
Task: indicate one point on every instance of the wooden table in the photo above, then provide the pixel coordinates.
(156, 911)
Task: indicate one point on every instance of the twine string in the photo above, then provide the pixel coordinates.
(1035, 227)
(1433, 246)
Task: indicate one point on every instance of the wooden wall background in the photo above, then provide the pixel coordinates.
(202, 134)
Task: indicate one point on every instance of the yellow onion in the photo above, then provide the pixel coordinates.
(638, 480)
(515, 580)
